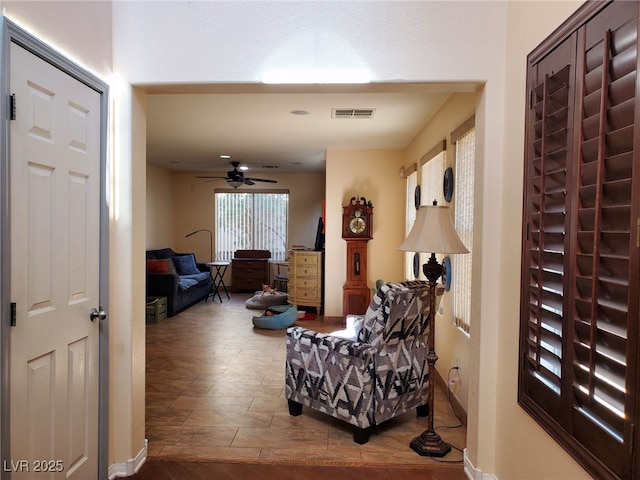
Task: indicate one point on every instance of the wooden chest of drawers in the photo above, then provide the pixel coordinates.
(305, 279)
(250, 270)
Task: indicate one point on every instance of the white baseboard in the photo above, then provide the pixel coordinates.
(474, 473)
(130, 467)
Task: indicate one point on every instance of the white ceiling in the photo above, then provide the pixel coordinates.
(190, 126)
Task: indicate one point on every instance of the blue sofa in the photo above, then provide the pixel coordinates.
(178, 277)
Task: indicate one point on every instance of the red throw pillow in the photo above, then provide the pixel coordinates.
(157, 266)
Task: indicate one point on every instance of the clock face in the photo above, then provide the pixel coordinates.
(356, 220)
(357, 224)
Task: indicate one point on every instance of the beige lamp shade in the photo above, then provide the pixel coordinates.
(433, 232)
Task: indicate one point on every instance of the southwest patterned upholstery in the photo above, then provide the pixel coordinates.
(380, 375)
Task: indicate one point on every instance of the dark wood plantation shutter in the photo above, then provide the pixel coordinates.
(547, 224)
(579, 299)
(605, 309)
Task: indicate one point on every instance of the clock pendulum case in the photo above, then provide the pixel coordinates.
(356, 230)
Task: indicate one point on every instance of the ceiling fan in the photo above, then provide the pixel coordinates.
(236, 178)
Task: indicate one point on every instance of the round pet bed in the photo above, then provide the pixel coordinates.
(261, 301)
(277, 317)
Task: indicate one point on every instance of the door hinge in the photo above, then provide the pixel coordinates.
(12, 106)
(13, 314)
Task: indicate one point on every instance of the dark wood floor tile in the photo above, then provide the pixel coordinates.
(165, 470)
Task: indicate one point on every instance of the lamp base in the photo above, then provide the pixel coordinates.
(429, 444)
(432, 269)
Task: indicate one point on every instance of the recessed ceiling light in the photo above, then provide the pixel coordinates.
(299, 112)
(226, 157)
(243, 167)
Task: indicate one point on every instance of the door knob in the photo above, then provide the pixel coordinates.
(97, 315)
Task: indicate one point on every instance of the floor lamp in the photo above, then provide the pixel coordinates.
(433, 232)
(210, 239)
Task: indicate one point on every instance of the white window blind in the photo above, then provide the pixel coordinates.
(255, 221)
(463, 219)
(412, 182)
(431, 178)
(432, 174)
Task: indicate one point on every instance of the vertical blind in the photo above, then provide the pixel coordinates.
(252, 220)
(412, 182)
(432, 173)
(463, 220)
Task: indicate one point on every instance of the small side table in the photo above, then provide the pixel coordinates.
(280, 281)
(218, 269)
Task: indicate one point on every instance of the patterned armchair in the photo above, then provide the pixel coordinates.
(379, 375)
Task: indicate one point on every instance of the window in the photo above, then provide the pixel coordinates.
(431, 175)
(432, 172)
(252, 220)
(412, 182)
(461, 265)
(578, 374)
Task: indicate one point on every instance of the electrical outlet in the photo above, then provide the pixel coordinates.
(454, 373)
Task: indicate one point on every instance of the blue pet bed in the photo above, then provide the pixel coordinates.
(277, 317)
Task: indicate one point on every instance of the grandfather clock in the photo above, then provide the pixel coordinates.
(357, 226)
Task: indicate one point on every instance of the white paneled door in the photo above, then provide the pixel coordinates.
(55, 213)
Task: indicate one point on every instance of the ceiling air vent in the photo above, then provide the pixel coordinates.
(352, 112)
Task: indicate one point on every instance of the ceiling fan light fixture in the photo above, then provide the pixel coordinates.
(236, 178)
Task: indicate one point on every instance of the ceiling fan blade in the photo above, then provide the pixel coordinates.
(237, 177)
(262, 180)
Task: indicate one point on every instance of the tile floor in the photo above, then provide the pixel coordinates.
(215, 391)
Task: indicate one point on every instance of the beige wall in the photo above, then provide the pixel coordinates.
(503, 442)
(452, 345)
(179, 203)
(373, 174)
(127, 280)
(159, 213)
(82, 31)
(523, 449)
(194, 209)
